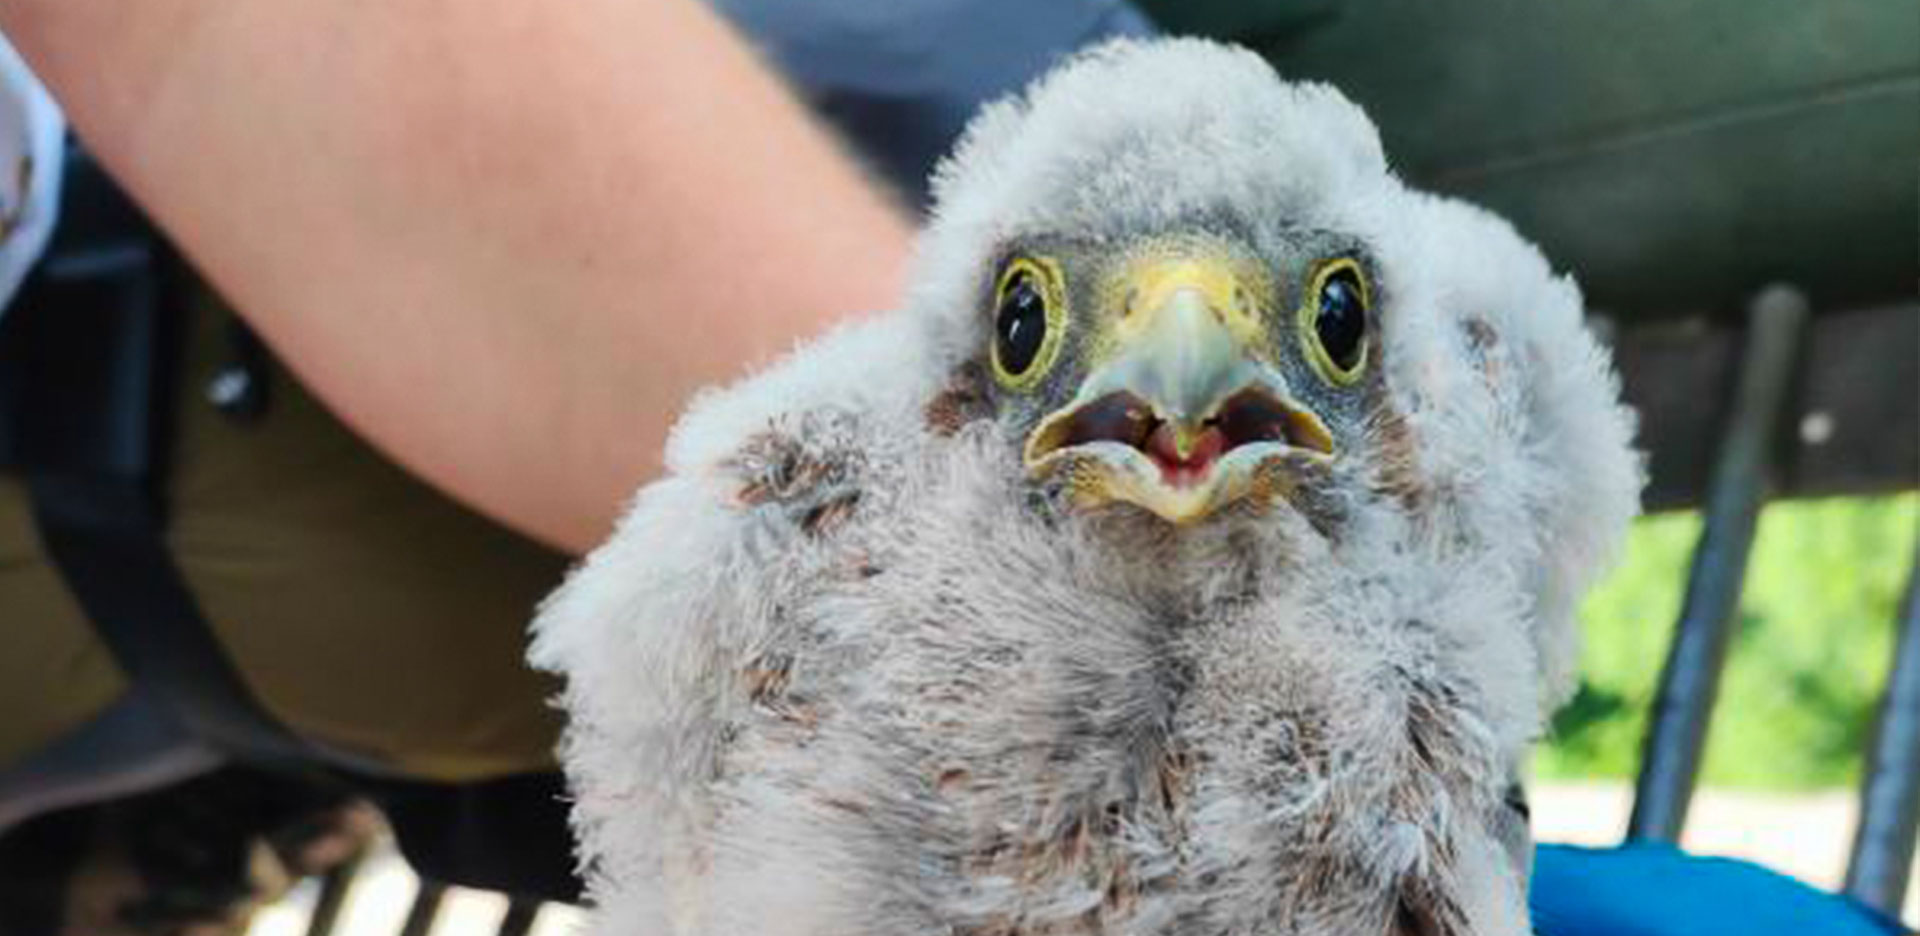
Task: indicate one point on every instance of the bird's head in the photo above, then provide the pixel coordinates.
(1186, 369)
(1176, 304)
(1190, 289)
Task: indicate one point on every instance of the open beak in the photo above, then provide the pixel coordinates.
(1184, 416)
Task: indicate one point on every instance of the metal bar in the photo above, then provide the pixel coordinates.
(519, 918)
(1890, 797)
(1677, 729)
(334, 887)
(424, 909)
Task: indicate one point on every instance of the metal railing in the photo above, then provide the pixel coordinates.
(1882, 859)
(336, 891)
(1677, 729)
(1883, 850)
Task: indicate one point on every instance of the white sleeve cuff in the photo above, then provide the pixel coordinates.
(32, 140)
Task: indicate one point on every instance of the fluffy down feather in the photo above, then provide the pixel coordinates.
(847, 671)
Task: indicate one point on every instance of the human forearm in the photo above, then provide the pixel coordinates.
(504, 240)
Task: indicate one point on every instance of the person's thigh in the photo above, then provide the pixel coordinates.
(55, 675)
(364, 609)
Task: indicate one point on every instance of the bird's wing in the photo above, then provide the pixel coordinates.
(657, 633)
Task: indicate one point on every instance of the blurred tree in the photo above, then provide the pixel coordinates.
(1806, 667)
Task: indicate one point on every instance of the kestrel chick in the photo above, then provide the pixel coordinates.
(1194, 552)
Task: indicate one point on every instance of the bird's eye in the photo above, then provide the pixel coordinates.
(1333, 322)
(1027, 322)
(1021, 324)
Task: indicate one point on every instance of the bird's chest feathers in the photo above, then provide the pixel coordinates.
(1056, 715)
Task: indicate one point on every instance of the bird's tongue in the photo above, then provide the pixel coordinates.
(1177, 471)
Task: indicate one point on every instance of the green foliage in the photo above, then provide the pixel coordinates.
(1806, 666)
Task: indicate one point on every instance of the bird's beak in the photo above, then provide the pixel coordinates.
(1184, 415)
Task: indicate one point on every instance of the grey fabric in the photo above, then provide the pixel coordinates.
(130, 748)
(900, 79)
(1674, 156)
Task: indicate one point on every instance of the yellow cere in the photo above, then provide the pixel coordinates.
(1228, 280)
(1309, 313)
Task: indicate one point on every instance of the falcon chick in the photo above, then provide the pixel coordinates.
(1194, 553)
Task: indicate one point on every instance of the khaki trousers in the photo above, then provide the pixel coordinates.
(362, 608)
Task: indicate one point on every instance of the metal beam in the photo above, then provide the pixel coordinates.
(424, 909)
(519, 919)
(335, 885)
(1776, 324)
(1890, 797)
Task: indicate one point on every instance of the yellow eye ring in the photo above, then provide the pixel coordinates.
(1029, 320)
(1333, 321)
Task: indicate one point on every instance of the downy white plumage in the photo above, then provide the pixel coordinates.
(873, 660)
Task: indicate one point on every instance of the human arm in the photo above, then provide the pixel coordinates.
(502, 240)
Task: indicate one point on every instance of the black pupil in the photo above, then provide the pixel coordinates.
(1021, 325)
(1343, 319)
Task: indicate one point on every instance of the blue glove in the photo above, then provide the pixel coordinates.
(1657, 890)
